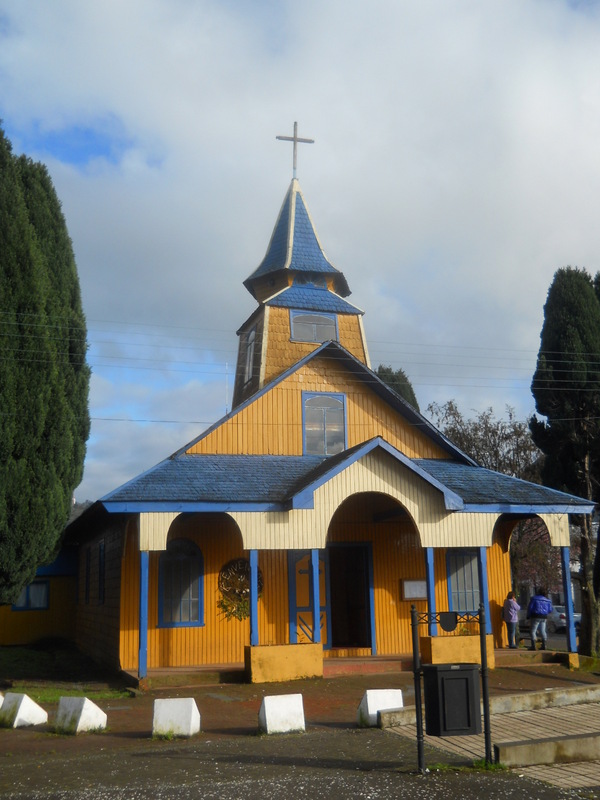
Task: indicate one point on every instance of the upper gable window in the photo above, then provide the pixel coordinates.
(313, 327)
(324, 424)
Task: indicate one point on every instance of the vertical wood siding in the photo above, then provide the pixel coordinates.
(397, 556)
(98, 623)
(219, 640)
(25, 627)
(272, 424)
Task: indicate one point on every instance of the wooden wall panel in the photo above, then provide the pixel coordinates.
(272, 424)
(26, 627)
(397, 556)
(219, 641)
(97, 624)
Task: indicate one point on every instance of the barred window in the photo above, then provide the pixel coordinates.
(181, 585)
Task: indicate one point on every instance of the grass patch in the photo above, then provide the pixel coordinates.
(52, 669)
(478, 766)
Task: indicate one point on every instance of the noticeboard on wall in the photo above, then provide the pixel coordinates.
(413, 590)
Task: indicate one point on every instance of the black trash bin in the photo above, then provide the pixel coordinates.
(452, 705)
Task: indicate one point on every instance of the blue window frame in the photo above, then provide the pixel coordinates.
(324, 423)
(35, 597)
(307, 326)
(463, 580)
(181, 585)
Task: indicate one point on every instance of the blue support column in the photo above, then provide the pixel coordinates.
(143, 624)
(316, 595)
(483, 587)
(565, 554)
(254, 598)
(430, 575)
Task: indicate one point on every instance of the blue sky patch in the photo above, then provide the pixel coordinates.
(78, 144)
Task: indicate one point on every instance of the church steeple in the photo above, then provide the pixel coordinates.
(301, 301)
(294, 254)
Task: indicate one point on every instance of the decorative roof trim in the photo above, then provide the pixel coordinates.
(305, 497)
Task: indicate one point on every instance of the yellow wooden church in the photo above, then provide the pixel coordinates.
(304, 524)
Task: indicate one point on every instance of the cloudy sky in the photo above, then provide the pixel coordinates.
(456, 167)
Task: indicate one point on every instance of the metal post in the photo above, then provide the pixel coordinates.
(417, 678)
(489, 758)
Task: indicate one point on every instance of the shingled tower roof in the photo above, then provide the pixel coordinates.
(294, 254)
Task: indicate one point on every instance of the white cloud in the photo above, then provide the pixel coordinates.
(455, 168)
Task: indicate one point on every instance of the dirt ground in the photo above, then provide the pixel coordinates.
(228, 759)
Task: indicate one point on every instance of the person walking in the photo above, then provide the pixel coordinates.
(510, 614)
(538, 609)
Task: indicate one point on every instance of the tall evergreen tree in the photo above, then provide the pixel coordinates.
(399, 382)
(44, 378)
(566, 388)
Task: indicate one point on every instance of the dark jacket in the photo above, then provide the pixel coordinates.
(539, 606)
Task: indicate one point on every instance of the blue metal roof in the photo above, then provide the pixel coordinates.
(230, 480)
(308, 297)
(481, 488)
(295, 245)
(271, 483)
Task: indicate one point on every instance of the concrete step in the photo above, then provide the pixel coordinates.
(555, 750)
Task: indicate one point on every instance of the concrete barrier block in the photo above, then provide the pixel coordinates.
(77, 715)
(19, 711)
(282, 713)
(176, 717)
(375, 700)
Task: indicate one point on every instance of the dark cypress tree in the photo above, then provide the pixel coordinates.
(44, 378)
(399, 382)
(566, 388)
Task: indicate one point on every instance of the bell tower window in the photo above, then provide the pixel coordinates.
(308, 327)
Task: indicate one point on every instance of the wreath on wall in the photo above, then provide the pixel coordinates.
(234, 585)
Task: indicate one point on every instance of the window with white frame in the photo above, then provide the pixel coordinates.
(181, 585)
(307, 327)
(324, 424)
(463, 580)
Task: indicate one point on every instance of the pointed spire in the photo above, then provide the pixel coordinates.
(294, 253)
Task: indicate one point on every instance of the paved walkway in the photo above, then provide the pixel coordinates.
(524, 725)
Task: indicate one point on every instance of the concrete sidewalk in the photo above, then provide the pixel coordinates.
(527, 725)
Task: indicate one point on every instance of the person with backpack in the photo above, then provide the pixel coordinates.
(538, 609)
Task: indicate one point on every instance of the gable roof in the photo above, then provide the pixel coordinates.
(295, 246)
(360, 372)
(196, 483)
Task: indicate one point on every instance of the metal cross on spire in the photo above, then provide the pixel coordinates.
(295, 139)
